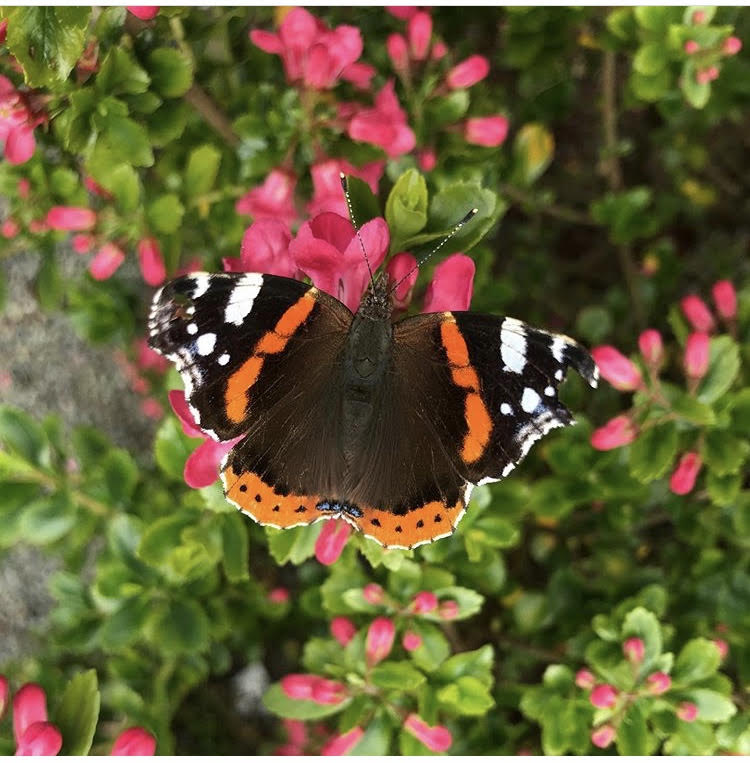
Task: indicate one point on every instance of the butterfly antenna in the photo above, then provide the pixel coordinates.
(456, 228)
(347, 196)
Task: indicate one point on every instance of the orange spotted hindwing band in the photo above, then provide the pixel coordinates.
(237, 393)
(478, 421)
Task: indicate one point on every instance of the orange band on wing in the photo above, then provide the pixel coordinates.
(478, 421)
(236, 396)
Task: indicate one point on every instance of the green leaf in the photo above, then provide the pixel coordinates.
(124, 184)
(723, 491)
(50, 288)
(172, 447)
(690, 409)
(698, 659)
(167, 123)
(653, 452)
(632, 735)
(406, 207)
(293, 545)
(120, 475)
(236, 547)
(477, 663)
(298, 709)
(126, 624)
(365, 204)
(447, 110)
(469, 602)
(171, 72)
(529, 611)
(434, 648)
(696, 93)
(724, 453)
(47, 42)
(181, 627)
(643, 624)
(655, 19)
(77, 713)
(21, 435)
(162, 536)
(121, 140)
(48, 519)
(650, 59)
(396, 675)
(202, 167)
(119, 73)
(165, 214)
(377, 738)
(723, 367)
(467, 696)
(712, 706)
(533, 149)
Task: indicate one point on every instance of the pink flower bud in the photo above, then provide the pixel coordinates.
(696, 355)
(439, 50)
(732, 46)
(691, 47)
(296, 732)
(143, 12)
(634, 649)
(658, 683)
(278, 596)
(331, 541)
(427, 159)
(683, 478)
(486, 131)
(411, 641)
(703, 76)
(40, 738)
(398, 52)
(435, 738)
(95, 188)
(343, 744)
(29, 707)
(4, 695)
(402, 267)
(298, 685)
(373, 593)
(448, 610)
(71, 218)
(603, 736)
(24, 187)
(687, 711)
(725, 299)
(152, 408)
(699, 17)
(651, 347)
(603, 695)
(585, 679)
(379, 640)
(722, 646)
(343, 630)
(106, 262)
(135, 741)
(420, 33)
(10, 228)
(470, 71)
(712, 73)
(82, 243)
(3, 31)
(424, 602)
(326, 692)
(618, 370)
(615, 433)
(151, 261)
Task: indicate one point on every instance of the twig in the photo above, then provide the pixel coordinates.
(553, 210)
(199, 99)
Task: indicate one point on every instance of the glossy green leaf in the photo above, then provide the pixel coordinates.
(202, 167)
(633, 737)
(723, 367)
(406, 207)
(171, 72)
(653, 452)
(698, 659)
(236, 547)
(396, 675)
(293, 545)
(165, 213)
(467, 696)
(77, 713)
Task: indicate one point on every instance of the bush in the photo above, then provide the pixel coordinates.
(595, 599)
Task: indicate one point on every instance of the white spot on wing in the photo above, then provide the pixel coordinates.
(558, 347)
(205, 344)
(508, 469)
(488, 480)
(223, 359)
(242, 298)
(192, 328)
(549, 391)
(202, 281)
(559, 374)
(505, 409)
(513, 345)
(530, 400)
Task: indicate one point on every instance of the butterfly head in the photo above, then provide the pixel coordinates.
(377, 304)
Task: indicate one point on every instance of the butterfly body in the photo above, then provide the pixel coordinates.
(387, 425)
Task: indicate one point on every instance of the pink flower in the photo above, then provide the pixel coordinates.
(202, 465)
(585, 679)
(359, 74)
(16, 124)
(427, 159)
(725, 299)
(615, 433)
(424, 602)
(265, 249)
(379, 641)
(658, 683)
(151, 261)
(398, 52)
(343, 744)
(152, 408)
(402, 266)
(327, 249)
(93, 187)
(328, 195)
(486, 131)
(698, 314)
(452, 285)
(722, 646)
(4, 695)
(273, 199)
(439, 50)
(403, 12)
(732, 46)
(343, 630)
(71, 218)
(687, 711)
(618, 370)
(691, 47)
(40, 738)
(143, 12)
(20, 144)
(373, 593)
(448, 609)
(149, 360)
(325, 692)
(29, 706)
(704, 76)
(435, 738)
(278, 596)
(10, 228)
(134, 741)
(683, 478)
(603, 695)
(651, 347)
(699, 17)
(384, 125)
(470, 71)
(603, 736)
(296, 732)
(331, 541)
(697, 353)
(315, 688)
(82, 243)
(634, 649)
(311, 52)
(411, 641)
(420, 34)
(106, 262)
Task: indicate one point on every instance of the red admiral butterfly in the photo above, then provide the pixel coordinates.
(386, 425)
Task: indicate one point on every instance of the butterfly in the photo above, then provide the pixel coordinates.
(387, 425)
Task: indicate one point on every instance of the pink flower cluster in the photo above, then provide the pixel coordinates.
(708, 72)
(35, 735)
(625, 375)
(17, 123)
